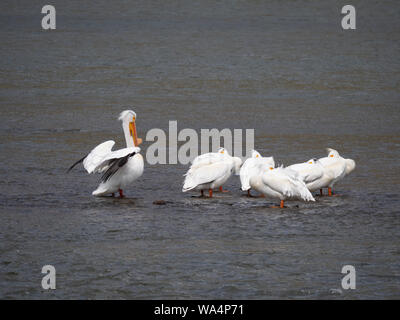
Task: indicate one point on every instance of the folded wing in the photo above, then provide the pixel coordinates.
(286, 184)
(205, 174)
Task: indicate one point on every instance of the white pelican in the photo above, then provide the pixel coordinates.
(210, 171)
(336, 168)
(119, 168)
(312, 173)
(280, 183)
(254, 166)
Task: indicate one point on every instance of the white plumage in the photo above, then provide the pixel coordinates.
(96, 160)
(310, 172)
(210, 171)
(335, 169)
(120, 167)
(282, 184)
(254, 166)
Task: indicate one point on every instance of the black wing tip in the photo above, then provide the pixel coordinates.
(76, 163)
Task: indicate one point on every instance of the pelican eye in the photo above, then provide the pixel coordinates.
(310, 162)
(257, 156)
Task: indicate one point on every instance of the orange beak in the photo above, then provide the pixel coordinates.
(132, 131)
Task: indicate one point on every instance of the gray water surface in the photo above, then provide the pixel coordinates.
(283, 68)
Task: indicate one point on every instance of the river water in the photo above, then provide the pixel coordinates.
(283, 68)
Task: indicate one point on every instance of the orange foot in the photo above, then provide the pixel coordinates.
(210, 193)
(220, 189)
(281, 206)
(121, 193)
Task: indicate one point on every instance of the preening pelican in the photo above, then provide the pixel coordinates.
(210, 171)
(336, 168)
(281, 183)
(312, 173)
(119, 168)
(252, 167)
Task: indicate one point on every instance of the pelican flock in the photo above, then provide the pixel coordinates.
(210, 171)
(119, 168)
(297, 181)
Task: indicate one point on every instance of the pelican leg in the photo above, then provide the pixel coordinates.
(321, 193)
(202, 193)
(330, 191)
(221, 190)
(121, 194)
(248, 193)
(332, 194)
(113, 195)
(210, 192)
(280, 206)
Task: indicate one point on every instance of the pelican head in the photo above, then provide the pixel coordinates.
(255, 154)
(269, 161)
(332, 153)
(128, 118)
(223, 151)
(127, 115)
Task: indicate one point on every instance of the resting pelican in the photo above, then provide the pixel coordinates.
(281, 183)
(336, 168)
(119, 168)
(253, 166)
(312, 173)
(210, 171)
